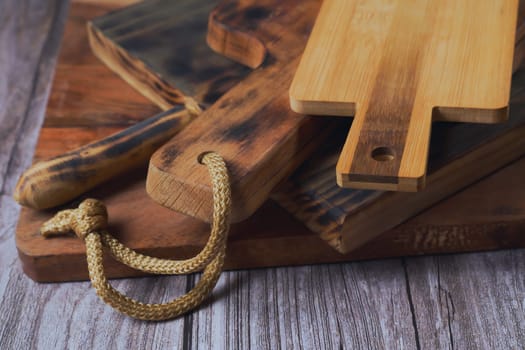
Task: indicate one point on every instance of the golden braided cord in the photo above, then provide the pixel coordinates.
(90, 220)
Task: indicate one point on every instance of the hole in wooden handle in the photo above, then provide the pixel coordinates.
(201, 156)
(383, 154)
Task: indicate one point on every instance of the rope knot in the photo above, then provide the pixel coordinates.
(90, 216)
(89, 222)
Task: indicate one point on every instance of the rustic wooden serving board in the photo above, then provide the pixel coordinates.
(179, 63)
(89, 102)
(396, 66)
(250, 126)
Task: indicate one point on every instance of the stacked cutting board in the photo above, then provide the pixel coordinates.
(160, 49)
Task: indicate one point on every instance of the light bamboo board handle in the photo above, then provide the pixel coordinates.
(397, 65)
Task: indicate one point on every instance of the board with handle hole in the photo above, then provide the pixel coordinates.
(397, 65)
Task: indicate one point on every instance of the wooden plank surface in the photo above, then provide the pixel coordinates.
(457, 301)
(396, 66)
(255, 243)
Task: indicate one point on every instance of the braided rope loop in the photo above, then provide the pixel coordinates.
(89, 221)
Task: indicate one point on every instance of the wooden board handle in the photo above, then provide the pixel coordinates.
(56, 181)
(386, 148)
(234, 44)
(253, 130)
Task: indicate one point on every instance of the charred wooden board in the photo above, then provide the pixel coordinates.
(271, 237)
(250, 126)
(159, 47)
(56, 181)
(348, 218)
(241, 125)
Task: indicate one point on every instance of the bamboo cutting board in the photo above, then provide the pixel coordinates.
(82, 108)
(397, 66)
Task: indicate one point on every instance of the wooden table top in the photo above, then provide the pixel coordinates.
(463, 301)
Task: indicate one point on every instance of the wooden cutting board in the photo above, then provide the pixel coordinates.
(397, 66)
(178, 62)
(84, 105)
(249, 126)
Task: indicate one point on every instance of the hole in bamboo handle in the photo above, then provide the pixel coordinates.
(383, 154)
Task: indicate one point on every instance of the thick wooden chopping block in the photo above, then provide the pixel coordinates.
(398, 65)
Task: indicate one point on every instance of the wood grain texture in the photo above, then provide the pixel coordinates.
(311, 199)
(109, 104)
(398, 65)
(255, 243)
(159, 47)
(238, 45)
(463, 307)
(462, 301)
(61, 179)
(29, 39)
(56, 181)
(43, 258)
(250, 126)
(452, 226)
(342, 217)
(308, 198)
